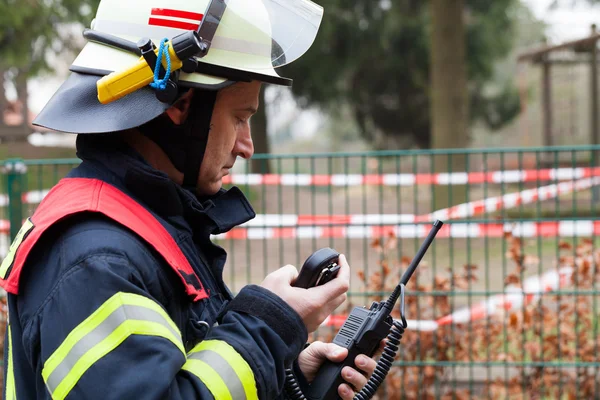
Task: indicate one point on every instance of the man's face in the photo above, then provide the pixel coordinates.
(229, 135)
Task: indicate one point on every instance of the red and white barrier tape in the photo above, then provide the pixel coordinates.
(455, 230)
(452, 178)
(510, 200)
(513, 299)
(287, 220)
(31, 197)
(288, 226)
(465, 210)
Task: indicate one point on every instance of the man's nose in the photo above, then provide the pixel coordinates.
(244, 146)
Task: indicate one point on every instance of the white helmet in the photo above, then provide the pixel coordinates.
(241, 40)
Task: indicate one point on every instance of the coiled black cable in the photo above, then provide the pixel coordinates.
(294, 392)
(385, 362)
(292, 388)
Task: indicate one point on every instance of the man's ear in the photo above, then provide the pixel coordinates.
(178, 112)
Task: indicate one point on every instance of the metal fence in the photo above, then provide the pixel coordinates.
(504, 304)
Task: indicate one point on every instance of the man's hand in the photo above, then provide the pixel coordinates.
(311, 359)
(313, 304)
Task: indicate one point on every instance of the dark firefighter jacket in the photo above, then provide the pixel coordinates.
(100, 314)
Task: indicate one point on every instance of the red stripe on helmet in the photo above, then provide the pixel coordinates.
(167, 12)
(173, 24)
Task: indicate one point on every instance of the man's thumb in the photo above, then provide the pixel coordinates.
(330, 351)
(288, 272)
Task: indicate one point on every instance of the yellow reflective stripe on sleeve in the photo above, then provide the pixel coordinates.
(230, 365)
(11, 392)
(12, 251)
(210, 378)
(121, 316)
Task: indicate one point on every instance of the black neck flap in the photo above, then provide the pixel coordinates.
(185, 144)
(196, 128)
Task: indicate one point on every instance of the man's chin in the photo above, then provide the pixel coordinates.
(209, 190)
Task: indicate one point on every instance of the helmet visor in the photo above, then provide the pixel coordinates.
(262, 34)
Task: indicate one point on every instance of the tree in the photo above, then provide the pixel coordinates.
(449, 97)
(31, 31)
(375, 56)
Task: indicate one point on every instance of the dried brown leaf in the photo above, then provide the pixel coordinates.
(563, 245)
(512, 279)
(513, 321)
(361, 275)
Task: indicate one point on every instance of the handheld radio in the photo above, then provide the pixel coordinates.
(361, 333)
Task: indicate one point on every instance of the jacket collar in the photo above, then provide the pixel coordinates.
(120, 165)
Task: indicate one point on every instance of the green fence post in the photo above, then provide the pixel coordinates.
(15, 170)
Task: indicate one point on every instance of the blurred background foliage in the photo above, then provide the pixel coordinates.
(368, 74)
(378, 64)
(33, 35)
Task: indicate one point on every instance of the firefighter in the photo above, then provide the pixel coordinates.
(115, 290)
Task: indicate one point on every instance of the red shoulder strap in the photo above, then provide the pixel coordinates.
(75, 195)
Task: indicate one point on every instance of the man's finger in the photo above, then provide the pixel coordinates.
(338, 301)
(365, 364)
(354, 378)
(337, 286)
(316, 349)
(344, 268)
(345, 392)
(331, 351)
(289, 272)
(336, 353)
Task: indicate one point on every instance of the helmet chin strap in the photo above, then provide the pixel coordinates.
(196, 128)
(185, 144)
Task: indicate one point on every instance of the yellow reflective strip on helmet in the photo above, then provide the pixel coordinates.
(11, 392)
(125, 330)
(12, 251)
(121, 316)
(209, 377)
(235, 360)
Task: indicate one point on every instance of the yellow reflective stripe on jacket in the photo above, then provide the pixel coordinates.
(11, 392)
(12, 251)
(223, 370)
(211, 378)
(121, 316)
